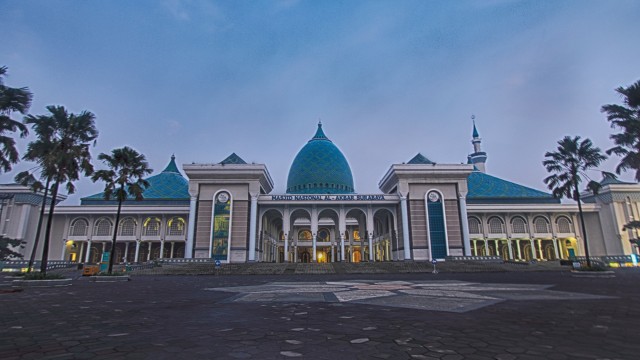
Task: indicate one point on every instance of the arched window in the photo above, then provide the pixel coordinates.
(128, 227)
(564, 225)
(496, 226)
(437, 225)
(541, 225)
(79, 227)
(324, 235)
(474, 226)
(518, 225)
(304, 235)
(175, 226)
(151, 227)
(102, 227)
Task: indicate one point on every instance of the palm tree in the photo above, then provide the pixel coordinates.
(11, 100)
(62, 151)
(627, 118)
(123, 178)
(568, 165)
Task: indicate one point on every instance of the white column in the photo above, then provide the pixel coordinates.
(252, 227)
(533, 249)
(555, 247)
(540, 249)
(333, 253)
(314, 237)
(519, 250)
(149, 252)
(486, 247)
(126, 251)
(465, 225)
(161, 249)
(80, 253)
(371, 252)
(86, 257)
(191, 229)
(511, 257)
(173, 244)
(137, 251)
(286, 247)
(342, 246)
(64, 249)
(405, 227)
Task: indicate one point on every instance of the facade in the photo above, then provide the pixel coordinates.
(425, 210)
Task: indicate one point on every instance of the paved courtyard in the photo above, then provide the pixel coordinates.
(536, 315)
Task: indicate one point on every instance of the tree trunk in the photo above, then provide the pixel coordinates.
(115, 234)
(47, 232)
(39, 228)
(584, 228)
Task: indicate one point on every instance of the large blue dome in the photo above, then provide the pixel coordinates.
(320, 168)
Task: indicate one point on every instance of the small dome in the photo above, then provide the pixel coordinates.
(320, 168)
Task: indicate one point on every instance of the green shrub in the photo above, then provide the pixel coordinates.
(41, 276)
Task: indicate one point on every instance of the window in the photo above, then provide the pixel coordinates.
(564, 225)
(79, 227)
(541, 225)
(128, 227)
(324, 235)
(175, 226)
(518, 225)
(103, 227)
(474, 226)
(304, 235)
(496, 226)
(151, 227)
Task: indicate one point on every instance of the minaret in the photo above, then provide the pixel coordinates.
(478, 158)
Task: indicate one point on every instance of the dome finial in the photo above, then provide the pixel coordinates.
(319, 133)
(172, 167)
(475, 131)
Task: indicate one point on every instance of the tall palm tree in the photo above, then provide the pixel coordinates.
(627, 118)
(62, 151)
(11, 100)
(568, 165)
(124, 178)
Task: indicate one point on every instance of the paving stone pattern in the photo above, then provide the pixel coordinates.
(174, 317)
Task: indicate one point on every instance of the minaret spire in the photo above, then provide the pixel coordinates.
(478, 158)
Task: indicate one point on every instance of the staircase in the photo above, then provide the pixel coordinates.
(395, 267)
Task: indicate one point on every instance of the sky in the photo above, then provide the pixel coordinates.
(388, 79)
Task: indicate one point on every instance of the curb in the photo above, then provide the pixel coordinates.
(41, 283)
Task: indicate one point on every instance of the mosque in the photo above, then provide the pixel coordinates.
(425, 210)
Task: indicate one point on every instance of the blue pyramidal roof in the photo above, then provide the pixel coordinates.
(167, 188)
(485, 188)
(610, 178)
(475, 131)
(233, 159)
(420, 159)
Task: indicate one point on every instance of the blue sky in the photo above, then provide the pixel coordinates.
(389, 79)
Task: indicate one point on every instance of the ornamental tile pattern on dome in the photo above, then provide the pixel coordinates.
(485, 188)
(168, 187)
(320, 168)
